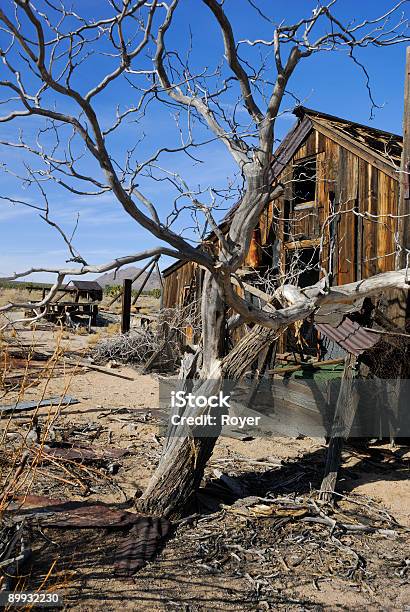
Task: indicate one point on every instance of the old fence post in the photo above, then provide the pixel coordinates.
(344, 416)
(126, 306)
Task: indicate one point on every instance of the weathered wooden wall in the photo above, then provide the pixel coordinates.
(179, 284)
(359, 191)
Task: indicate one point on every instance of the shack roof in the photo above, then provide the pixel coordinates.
(380, 148)
(372, 142)
(84, 285)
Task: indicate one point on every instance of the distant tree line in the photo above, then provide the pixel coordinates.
(113, 290)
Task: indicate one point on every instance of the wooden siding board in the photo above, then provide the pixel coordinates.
(369, 206)
(346, 196)
(386, 224)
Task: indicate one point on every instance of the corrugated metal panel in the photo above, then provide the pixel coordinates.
(349, 335)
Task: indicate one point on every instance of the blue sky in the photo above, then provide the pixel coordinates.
(329, 82)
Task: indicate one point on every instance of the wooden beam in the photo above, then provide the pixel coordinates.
(315, 365)
(302, 244)
(126, 306)
(403, 224)
(82, 363)
(136, 277)
(305, 205)
(254, 291)
(141, 289)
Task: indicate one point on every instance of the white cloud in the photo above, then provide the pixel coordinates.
(9, 212)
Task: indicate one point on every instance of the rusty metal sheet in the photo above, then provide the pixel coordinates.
(140, 545)
(27, 502)
(50, 512)
(350, 336)
(84, 453)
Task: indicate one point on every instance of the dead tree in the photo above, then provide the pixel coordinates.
(47, 49)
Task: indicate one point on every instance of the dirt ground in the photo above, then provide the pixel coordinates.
(224, 558)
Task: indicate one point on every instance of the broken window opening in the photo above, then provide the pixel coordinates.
(304, 182)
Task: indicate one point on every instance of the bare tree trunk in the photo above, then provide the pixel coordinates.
(185, 455)
(183, 462)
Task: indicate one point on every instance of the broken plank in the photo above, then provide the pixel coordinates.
(306, 366)
(346, 406)
(157, 353)
(70, 514)
(82, 453)
(32, 405)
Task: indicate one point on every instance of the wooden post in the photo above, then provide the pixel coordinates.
(141, 289)
(344, 415)
(161, 299)
(403, 225)
(136, 277)
(126, 306)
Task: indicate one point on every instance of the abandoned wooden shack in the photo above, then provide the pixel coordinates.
(338, 216)
(90, 291)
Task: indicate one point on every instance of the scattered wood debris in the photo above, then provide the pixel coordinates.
(82, 453)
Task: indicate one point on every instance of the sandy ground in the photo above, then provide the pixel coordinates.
(180, 578)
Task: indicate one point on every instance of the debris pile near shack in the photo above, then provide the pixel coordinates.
(141, 347)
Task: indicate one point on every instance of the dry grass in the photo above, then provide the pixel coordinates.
(102, 332)
(22, 444)
(146, 304)
(17, 473)
(8, 295)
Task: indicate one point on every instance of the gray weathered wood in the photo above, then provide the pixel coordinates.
(344, 415)
(135, 278)
(141, 289)
(66, 400)
(403, 225)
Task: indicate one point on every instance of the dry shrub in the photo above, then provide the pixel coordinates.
(141, 343)
(98, 336)
(136, 348)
